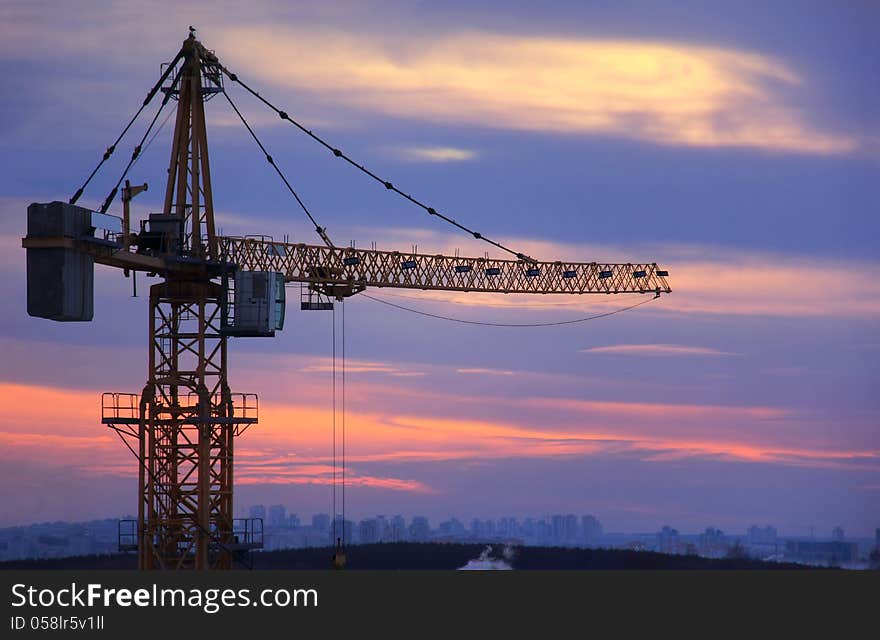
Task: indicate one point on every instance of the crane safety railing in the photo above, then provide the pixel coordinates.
(124, 408)
(317, 264)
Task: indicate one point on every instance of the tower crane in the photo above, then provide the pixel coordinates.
(182, 427)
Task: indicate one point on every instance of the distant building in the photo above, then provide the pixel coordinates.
(591, 530)
(293, 521)
(397, 529)
(258, 511)
(277, 516)
(368, 531)
(668, 540)
(832, 553)
(564, 529)
(321, 521)
(837, 534)
(570, 530)
(712, 543)
(452, 529)
(507, 528)
(763, 542)
(343, 529)
(528, 530)
(543, 532)
(762, 536)
(419, 529)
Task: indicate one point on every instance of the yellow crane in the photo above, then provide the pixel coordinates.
(183, 425)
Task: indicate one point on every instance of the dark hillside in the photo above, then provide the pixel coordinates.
(439, 556)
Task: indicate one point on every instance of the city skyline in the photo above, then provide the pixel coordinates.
(282, 531)
(717, 140)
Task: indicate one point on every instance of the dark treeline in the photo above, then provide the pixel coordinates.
(439, 556)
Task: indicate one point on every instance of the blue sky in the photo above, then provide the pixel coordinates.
(735, 145)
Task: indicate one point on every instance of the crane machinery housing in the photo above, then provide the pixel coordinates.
(183, 425)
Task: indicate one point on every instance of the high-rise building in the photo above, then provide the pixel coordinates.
(762, 536)
(341, 530)
(452, 529)
(557, 529)
(834, 553)
(397, 529)
(712, 543)
(570, 530)
(507, 528)
(321, 521)
(258, 511)
(543, 532)
(667, 540)
(837, 534)
(419, 529)
(277, 516)
(293, 521)
(368, 531)
(591, 530)
(528, 529)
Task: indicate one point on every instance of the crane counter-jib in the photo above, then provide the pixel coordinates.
(318, 264)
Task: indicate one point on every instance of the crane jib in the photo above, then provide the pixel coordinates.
(318, 264)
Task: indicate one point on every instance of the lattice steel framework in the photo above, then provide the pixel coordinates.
(187, 420)
(347, 270)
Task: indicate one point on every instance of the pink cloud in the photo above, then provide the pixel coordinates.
(658, 350)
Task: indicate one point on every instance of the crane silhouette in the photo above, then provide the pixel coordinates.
(183, 425)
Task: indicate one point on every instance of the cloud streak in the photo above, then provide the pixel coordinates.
(436, 154)
(659, 92)
(276, 452)
(658, 350)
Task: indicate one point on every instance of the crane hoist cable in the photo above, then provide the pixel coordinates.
(343, 421)
(140, 145)
(386, 183)
(333, 373)
(505, 324)
(109, 151)
(338, 470)
(321, 231)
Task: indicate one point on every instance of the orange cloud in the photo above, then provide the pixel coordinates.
(658, 350)
(661, 92)
(292, 442)
(435, 154)
(666, 410)
(480, 371)
(50, 410)
(324, 365)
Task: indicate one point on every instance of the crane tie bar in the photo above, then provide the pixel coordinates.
(112, 147)
(321, 231)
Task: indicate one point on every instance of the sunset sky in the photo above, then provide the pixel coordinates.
(736, 144)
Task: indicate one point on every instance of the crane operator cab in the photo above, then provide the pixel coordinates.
(338, 558)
